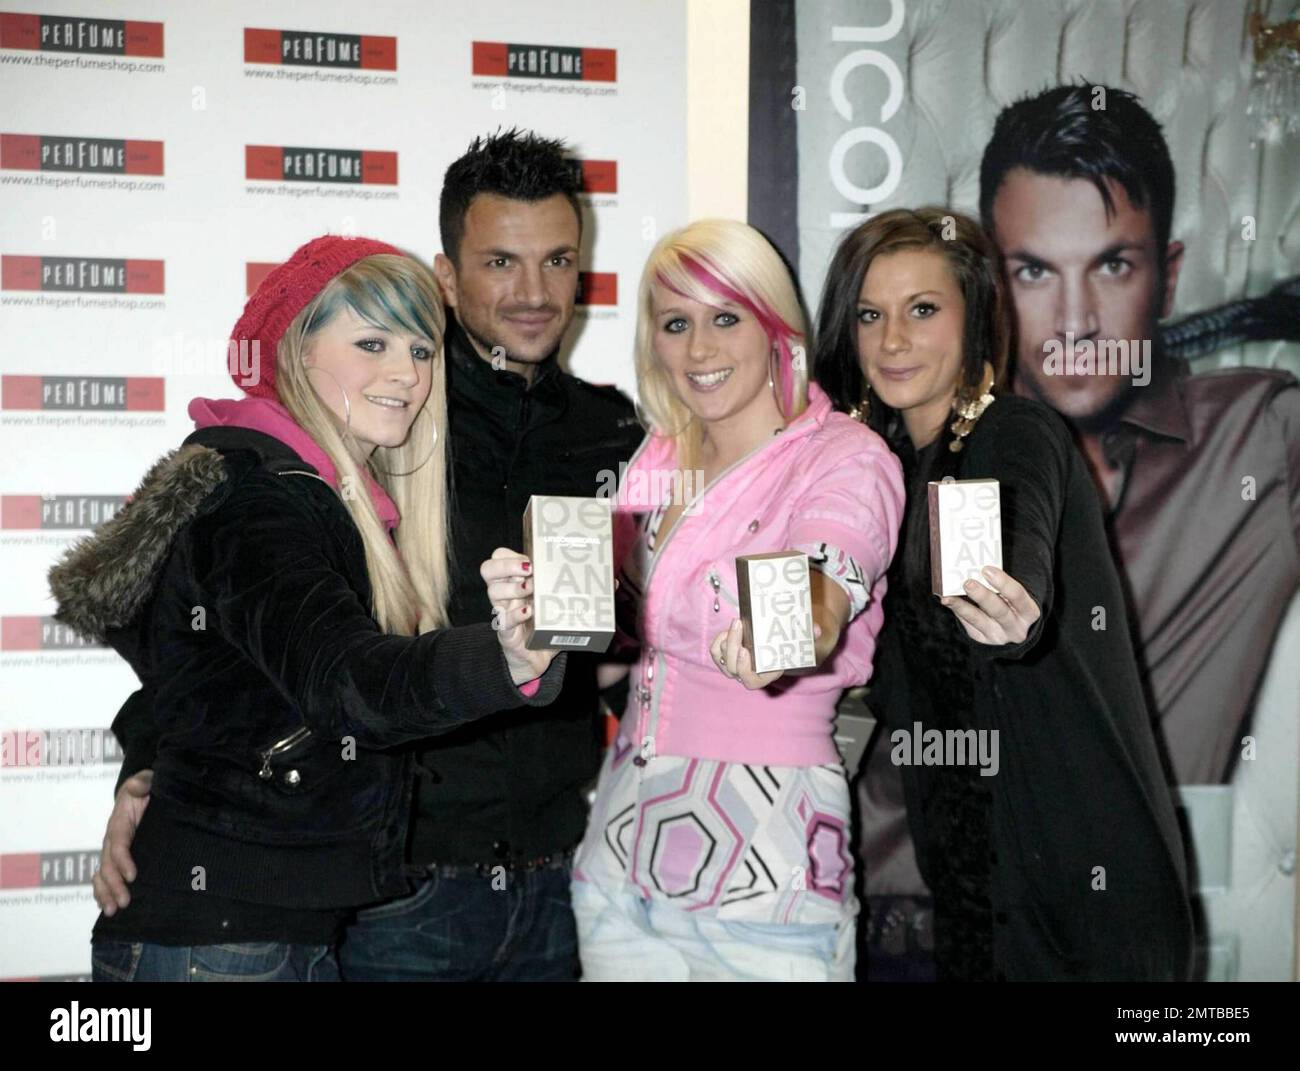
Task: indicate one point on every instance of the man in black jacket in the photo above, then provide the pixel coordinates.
(499, 808)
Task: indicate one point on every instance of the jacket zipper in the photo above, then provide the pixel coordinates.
(609, 444)
(715, 581)
(647, 723)
(278, 748)
(654, 561)
(298, 735)
(521, 430)
(300, 472)
(301, 734)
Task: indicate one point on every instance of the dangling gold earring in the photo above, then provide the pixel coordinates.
(862, 410)
(771, 362)
(969, 406)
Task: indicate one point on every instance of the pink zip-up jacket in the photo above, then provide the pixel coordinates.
(825, 479)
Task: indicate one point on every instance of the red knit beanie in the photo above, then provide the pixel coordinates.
(286, 292)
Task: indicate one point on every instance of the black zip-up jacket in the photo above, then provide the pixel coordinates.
(234, 582)
(510, 788)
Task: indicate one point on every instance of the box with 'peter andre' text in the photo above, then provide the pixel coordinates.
(570, 542)
(776, 610)
(965, 532)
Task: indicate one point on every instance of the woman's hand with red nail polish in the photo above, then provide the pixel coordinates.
(510, 591)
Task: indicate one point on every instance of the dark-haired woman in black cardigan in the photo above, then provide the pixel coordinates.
(1062, 859)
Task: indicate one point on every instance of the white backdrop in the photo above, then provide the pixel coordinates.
(133, 221)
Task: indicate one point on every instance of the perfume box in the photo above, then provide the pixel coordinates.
(965, 532)
(570, 542)
(776, 610)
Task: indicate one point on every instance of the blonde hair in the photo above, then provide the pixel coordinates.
(410, 584)
(710, 261)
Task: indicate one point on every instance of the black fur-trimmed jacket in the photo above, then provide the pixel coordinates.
(234, 582)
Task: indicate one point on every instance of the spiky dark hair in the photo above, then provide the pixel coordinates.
(518, 164)
(1060, 132)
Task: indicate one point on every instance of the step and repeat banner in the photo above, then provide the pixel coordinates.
(156, 161)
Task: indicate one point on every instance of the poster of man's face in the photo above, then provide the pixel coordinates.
(1140, 193)
(1078, 273)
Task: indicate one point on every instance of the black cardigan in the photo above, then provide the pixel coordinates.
(1084, 876)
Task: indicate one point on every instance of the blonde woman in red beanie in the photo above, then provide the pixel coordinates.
(286, 628)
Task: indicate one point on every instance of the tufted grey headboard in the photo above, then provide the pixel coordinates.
(959, 62)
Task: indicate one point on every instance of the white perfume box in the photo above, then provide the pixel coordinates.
(775, 595)
(965, 532)
(570, 542)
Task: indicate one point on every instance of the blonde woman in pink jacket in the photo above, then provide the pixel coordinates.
(718, 846)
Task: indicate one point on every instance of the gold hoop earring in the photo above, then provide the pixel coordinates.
(969, 405)
(862, 410)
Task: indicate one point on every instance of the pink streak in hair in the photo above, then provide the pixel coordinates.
(776, 329)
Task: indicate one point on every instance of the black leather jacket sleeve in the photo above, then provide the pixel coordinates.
(264, 567)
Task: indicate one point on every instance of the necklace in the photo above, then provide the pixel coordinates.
(970, 409)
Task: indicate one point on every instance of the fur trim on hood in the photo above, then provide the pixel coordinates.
(104, 580)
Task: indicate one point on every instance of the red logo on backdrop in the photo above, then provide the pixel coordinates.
(66, 512)
(597, 288)
(597, 176)
(493, 59)
(86, 275)
(307, 48)
(58, 747)
(254, 273)
(73, 33)
(114, 156)
(276, 163)
(38, 634)
(34, 870)
(125, 393)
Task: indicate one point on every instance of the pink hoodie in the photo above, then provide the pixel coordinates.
(272, 418)
(825, 479)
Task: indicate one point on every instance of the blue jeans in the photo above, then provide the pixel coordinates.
(463, 926)
(627, 938)
(262, 961)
